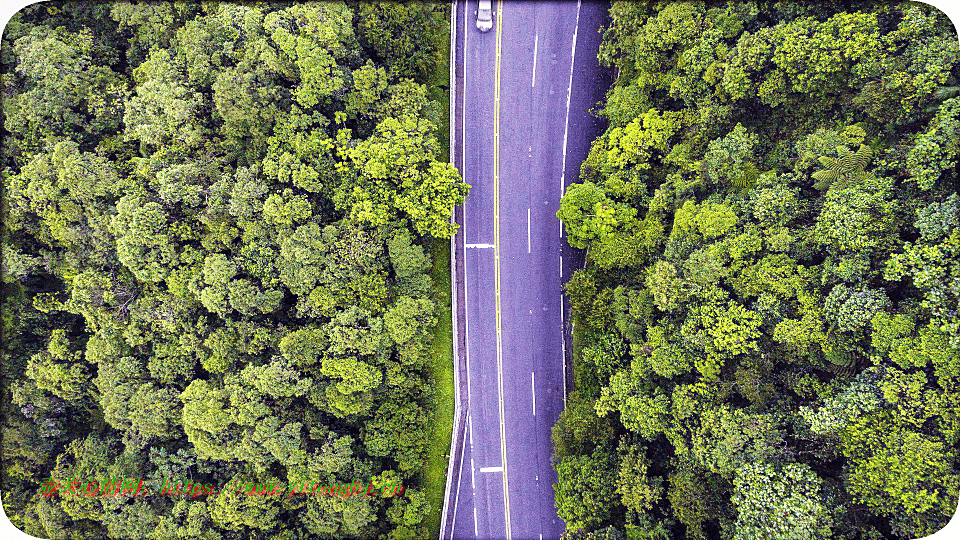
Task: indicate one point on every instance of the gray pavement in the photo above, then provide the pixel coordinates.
(541, 130)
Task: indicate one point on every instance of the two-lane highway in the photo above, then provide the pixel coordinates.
(524, 90)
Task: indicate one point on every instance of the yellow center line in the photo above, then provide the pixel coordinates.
(496, 261)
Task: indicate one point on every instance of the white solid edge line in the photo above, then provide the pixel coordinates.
(463, 236)
(463, 240)
(566, 128)
(453, 294)
(563, 353)
(566, 124)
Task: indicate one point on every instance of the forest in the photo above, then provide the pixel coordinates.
(767, 343)
(217, 229)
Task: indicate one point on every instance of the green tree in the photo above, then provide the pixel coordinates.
(396, 173)
(779, 502)
(583, 494)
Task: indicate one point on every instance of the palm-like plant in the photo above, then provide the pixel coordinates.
(747, 178)
(847, 168)
(840, 359)
(939, 96)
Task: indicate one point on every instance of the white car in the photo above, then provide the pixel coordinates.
(485, 16)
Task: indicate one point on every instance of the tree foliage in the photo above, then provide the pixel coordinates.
(767, 318)
(213, 245)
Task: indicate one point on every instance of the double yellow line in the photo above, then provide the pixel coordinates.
(496, 261)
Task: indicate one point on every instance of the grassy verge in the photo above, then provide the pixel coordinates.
(441, 357)
(441, 354)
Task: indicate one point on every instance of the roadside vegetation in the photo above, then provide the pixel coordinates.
(441, 371)
(219, 263)
(767, 332)
(441, 346)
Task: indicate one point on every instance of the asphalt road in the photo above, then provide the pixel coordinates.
(523, 126)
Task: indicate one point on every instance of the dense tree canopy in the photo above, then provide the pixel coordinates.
(766, 328)
(217, 219)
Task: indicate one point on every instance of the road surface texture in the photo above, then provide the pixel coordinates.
(521, 128)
